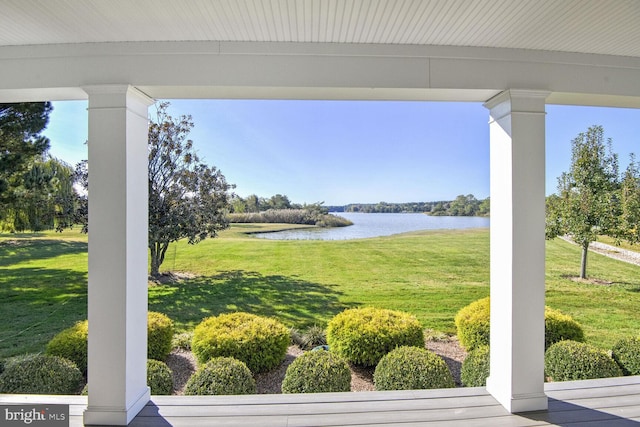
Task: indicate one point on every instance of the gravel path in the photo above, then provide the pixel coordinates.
(615, 252)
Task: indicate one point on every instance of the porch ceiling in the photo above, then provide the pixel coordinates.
(607, 27)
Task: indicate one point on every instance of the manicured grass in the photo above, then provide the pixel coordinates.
(431, 274)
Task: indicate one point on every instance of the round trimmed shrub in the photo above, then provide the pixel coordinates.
(71, 344)
(159, 377)
(572, 360)
(364, 335)
(40, 374)
(560, 327)
(221, 375)
(412, 368)
(626, 353)
(159, 335)
(259, 342)
(317, 372)
(473, 325)
(475, 367)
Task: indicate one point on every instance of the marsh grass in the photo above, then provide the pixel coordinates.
(431, 274)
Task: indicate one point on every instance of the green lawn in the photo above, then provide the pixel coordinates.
(431, 274)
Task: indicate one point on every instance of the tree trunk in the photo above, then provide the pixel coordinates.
(158, 251)
(155, 265)
(583, 263)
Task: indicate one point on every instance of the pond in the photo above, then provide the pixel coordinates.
(379, 224)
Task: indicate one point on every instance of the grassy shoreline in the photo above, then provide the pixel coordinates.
(431, 274)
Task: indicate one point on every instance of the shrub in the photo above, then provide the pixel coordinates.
(317, 372)
(159, 377)
(560, 327)
(182, 341)
(313, 337)
(475, 367)
(626, 353)
(159, 335)
(259, 342)
(473, 324)
(364, 335)
(71, 344)
(221, 375)
(412, 368)
(572, 360)
(40, 374)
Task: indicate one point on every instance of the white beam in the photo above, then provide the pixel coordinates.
(517, 132)
(118, 188)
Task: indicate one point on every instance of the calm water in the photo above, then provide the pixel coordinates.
(378, 224)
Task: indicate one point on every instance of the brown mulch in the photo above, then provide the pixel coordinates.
(183, 364)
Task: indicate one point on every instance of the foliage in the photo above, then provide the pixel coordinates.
(630, 201)
(182, 341)
(462, 206)
(473, 324)
(572, 360)
(317, 372)
(475, 367)
(40, 374)
(314, 336)
(159, 335)
(291, 216)
(20, 142)
(364, 335)
(587, 203)
(221, 376)
(559, 327)
(626, 353)
(71, 344)
(187, 198)
(412, 368)
(259, 342)
(159, 377)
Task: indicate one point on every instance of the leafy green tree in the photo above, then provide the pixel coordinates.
(630, 201)
(44, 199)
(588, 202)
(20, 144)
(187, 198)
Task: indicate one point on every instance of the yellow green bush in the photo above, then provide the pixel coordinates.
(261, 343)
(364, 335)
(572, 360)
(412, 368)
(159, 335)
(317, 372)
(221, 376)
(473, 325)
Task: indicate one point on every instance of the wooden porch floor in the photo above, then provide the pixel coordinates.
(604, 402)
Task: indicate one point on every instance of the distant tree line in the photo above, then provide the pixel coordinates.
(462, 206)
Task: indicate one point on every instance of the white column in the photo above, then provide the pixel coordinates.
(517, 132)
(118, 211)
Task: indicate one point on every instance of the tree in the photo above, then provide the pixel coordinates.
(20, 143)
(588, 202)
(630, 201)
(187, 198)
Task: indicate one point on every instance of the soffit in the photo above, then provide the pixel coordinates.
(607, 27)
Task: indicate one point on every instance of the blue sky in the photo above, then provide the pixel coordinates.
(341, 152)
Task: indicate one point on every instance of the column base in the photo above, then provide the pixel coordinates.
(116, 416)
(518, 402)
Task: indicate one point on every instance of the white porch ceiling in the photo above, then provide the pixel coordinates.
(610, 27)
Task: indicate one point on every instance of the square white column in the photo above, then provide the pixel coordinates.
(517, 132)
(118, 229)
